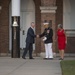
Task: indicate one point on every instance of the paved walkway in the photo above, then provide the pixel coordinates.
(38, 66)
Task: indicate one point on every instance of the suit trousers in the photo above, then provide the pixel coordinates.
(48, 50)
(29, 46)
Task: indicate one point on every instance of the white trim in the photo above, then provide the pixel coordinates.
(15, 7)
(48, 9)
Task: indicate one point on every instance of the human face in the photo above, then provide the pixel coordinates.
(46, 26)
(59, 27)
(33, 25)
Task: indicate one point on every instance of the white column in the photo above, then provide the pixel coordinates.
(15, 28)
(15, 7)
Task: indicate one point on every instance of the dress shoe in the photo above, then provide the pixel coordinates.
(61, 59)
(31, 58)
(50, 58)
(23, 57)
(45, 58)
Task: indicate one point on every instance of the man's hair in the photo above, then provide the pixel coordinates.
(32, 23)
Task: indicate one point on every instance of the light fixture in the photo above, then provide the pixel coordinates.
(15, 24)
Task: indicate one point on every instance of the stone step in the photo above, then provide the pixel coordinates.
(42, 54)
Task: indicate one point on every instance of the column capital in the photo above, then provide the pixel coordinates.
(48, 9)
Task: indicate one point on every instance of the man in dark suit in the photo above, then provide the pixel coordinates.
(29, 41)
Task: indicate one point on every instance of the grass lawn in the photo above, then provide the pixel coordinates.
(68, 67)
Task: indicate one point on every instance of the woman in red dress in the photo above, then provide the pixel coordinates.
(62, 41)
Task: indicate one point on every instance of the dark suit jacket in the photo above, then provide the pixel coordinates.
(30, 36)
(47, 35)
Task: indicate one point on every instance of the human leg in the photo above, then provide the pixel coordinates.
(25, 51)
(50, 52)
(62, 54)
(46, 50)
(30, 50)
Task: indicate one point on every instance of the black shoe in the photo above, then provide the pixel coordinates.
(50, 58)
(61, 59)
(45, 58)
(31, 58)
(23, 57)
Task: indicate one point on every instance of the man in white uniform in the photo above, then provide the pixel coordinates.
(47, 38)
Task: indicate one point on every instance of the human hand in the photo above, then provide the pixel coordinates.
(37, 36)
(66, 42)
(44, 38)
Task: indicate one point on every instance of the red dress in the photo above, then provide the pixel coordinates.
(61, 39)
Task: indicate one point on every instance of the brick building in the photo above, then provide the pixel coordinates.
(54, 11)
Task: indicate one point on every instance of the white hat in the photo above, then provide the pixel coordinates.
(45, 23)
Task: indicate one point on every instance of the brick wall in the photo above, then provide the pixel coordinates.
(59, 12)
(59, 20)
(59, 15)
(70, 48)
(4, 26)
(38, 24)
(56, 19)
(48, 16)
(48, 2)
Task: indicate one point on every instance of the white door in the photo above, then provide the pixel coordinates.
(27, 16)
(26, 19)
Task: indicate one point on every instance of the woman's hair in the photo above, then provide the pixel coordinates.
(60, 26)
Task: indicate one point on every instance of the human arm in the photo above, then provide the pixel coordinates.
(31, 33)
(65, 37)
(50, 34)
(41, 35)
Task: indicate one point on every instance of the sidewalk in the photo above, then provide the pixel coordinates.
(38, 66)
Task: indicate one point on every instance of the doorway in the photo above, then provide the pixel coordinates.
(27, 16)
